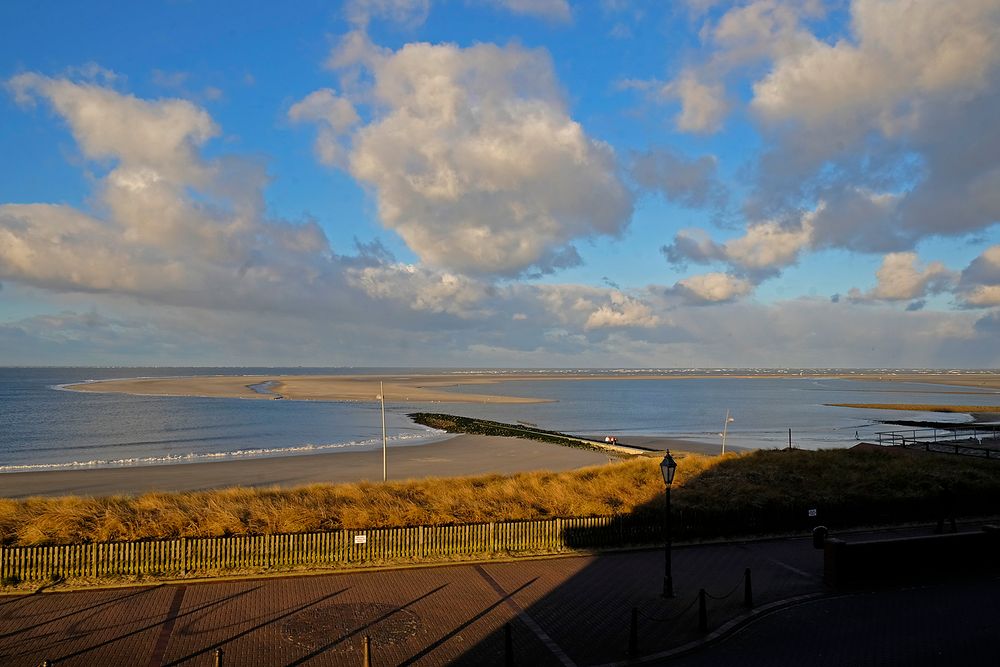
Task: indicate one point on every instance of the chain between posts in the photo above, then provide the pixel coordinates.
(723, 597)
(672, 617)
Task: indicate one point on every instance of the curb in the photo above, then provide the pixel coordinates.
(724, 631)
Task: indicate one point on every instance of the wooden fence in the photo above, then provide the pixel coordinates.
(218, 555)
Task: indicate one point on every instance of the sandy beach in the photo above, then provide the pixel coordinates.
(436, 388)
(462, 455)
(459, 456)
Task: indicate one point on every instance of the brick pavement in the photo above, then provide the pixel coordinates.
(955, 624)
(563, 611)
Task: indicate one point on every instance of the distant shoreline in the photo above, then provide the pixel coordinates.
(438, 387)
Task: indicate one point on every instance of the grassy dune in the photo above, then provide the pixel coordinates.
(757, 492)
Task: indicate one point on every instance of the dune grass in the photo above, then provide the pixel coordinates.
(756, 492)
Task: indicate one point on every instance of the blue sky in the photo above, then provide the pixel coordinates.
(501, 183)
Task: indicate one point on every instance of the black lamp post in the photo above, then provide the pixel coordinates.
(668, 467)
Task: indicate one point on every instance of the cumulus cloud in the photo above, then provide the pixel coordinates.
(137, 133)
(620, 311)
(901, 278)
(901, 52)
(474, 161)
(703, 104)
(979, 286)
(711, 288)
(690, 182)
(764, 249)
(887, 130)
(423, 289)
(334, 115)
(168, 222)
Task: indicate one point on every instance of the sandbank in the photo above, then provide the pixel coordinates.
(461, 455)
(436, 387)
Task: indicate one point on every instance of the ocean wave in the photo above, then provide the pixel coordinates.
(197, 457)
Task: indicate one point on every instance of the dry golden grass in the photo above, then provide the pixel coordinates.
(856, 486)
(610, 489)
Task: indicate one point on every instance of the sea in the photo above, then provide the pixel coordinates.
(45, 426)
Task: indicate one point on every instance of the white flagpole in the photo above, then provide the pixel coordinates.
(381, 395)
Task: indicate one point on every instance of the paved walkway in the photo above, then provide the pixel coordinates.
(562, 611)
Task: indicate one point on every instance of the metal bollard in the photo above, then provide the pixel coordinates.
(633, 635)
(702, 611)
(366, 652)
(218, 657)
(747, 589)
(508, 645)
(820, 534)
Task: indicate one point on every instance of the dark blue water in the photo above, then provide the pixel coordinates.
(42, 427)
(763, 409)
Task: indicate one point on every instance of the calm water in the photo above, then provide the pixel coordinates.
(43, 427)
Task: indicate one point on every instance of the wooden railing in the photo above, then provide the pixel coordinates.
(256, 553)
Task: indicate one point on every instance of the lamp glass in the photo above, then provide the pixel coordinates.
(668, 467)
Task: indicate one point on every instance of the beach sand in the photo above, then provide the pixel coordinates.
(459, 456)
(397, 389)
(462, 455)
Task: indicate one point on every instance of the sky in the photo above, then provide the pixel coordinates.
(501, 183)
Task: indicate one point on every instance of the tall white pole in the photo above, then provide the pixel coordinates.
(381, 394)
(725, 431)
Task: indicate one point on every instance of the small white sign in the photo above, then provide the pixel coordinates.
(812, 512)
(360, 539)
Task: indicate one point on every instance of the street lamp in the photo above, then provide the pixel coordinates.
(668, 467)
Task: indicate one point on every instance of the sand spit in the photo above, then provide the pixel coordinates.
(436, 388)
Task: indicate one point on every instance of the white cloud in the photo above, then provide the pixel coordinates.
(422, 289)
(138, 133)
(887, 129)
(979, 286)
(622, 311)
(901, 278)
(703, 104)
(167, 222)
(474, 161)
(334, 114)
(903, 51)
(768, 245)
(713, 288)
(764, 249)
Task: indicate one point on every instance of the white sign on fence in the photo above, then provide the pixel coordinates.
(812, 512)
(360, 539)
